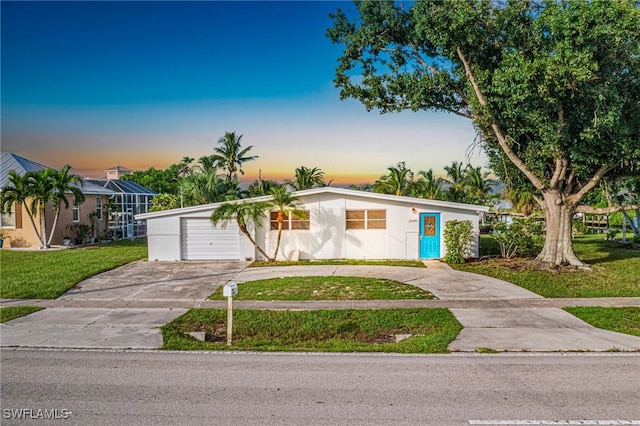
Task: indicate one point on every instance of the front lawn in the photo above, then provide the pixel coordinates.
(623, 320)
(325, 288)
(615, 271)
(46, 274)
(431, 330)
(12, 312)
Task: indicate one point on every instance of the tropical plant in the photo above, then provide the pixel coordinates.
(366, 187)
(428, 185)
(285, 204)
(551, 87)
(208, 187)
(164, 201)
(243, 212)
(17, 192)
(456, 192)
(230, 155)
(63, 183)
(458, 235)
(522, 237)
(261, 187)
(307, 178)
(478, 185)
(399, 181)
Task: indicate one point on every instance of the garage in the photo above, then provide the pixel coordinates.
(201, 241)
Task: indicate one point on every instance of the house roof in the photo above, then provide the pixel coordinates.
(123, 186)
(10, 161)
(325, 190)
(118, 169)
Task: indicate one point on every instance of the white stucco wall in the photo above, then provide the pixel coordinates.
(327, 237)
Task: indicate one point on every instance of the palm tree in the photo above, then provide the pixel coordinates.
(285, 204)
(428, 185)
(366, 187)
(478, 184)
(524, 198)
(399, 181)
(455, 192)
(261, 187)
(307, 178)
(243, 213)
(207, 187)
(63, 183)
(230, 155)
(42, 192)
(18, 191)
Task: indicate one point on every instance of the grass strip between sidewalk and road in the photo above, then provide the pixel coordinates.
(12, 312)
(623, 320)
(46, 274)
(615, 270)
(325, 288)
(346, 330)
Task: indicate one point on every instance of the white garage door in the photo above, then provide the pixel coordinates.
(201, 241)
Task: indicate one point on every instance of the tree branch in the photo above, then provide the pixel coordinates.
(604, 210)
(592, 182)
(502, 139)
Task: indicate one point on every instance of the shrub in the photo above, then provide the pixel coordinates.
(523, 237)
(457, 238)
(578, 228)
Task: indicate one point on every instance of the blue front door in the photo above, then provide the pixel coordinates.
(430, 235)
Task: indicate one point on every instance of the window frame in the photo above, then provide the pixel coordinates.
(365, 223)
(291, 222)
(11, 214)
(75, 212)
(99, 208)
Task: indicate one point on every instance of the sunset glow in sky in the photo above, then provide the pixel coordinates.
(141, 84)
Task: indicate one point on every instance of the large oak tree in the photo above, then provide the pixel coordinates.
(552, 87)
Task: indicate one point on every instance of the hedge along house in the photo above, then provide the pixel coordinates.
(339, 224)
(129, 199)
(16, 224)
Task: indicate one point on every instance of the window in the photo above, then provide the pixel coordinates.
(76, 212)
(366, 219)
(291, 222)
(8, 219)
(99, 208)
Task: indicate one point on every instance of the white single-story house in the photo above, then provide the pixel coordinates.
(339, 224)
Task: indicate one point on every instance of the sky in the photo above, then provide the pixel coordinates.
(143, 84)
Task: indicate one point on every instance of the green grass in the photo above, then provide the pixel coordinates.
(325, 288)
(615, 271)
(407, 263)
(623, 320)
(12, 312)
(311, 331)
(46, 274)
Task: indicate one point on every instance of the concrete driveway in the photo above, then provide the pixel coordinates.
(103, 311)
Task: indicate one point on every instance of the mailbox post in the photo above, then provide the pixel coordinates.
(229, 291)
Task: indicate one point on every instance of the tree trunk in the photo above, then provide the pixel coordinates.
(245, 231)
(43, 229)
(558, 243)
(53, 227)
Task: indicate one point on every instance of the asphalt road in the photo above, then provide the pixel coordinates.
(188, 388)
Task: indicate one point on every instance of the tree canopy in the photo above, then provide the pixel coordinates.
(552, 88)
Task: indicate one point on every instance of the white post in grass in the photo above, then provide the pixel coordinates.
(229, 291)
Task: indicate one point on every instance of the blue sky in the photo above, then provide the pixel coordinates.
(141, 84)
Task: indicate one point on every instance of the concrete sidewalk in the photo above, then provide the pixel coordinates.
(125, 307)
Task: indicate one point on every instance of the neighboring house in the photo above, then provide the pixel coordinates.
(129, 200)
(17, 225)
(340, 224)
